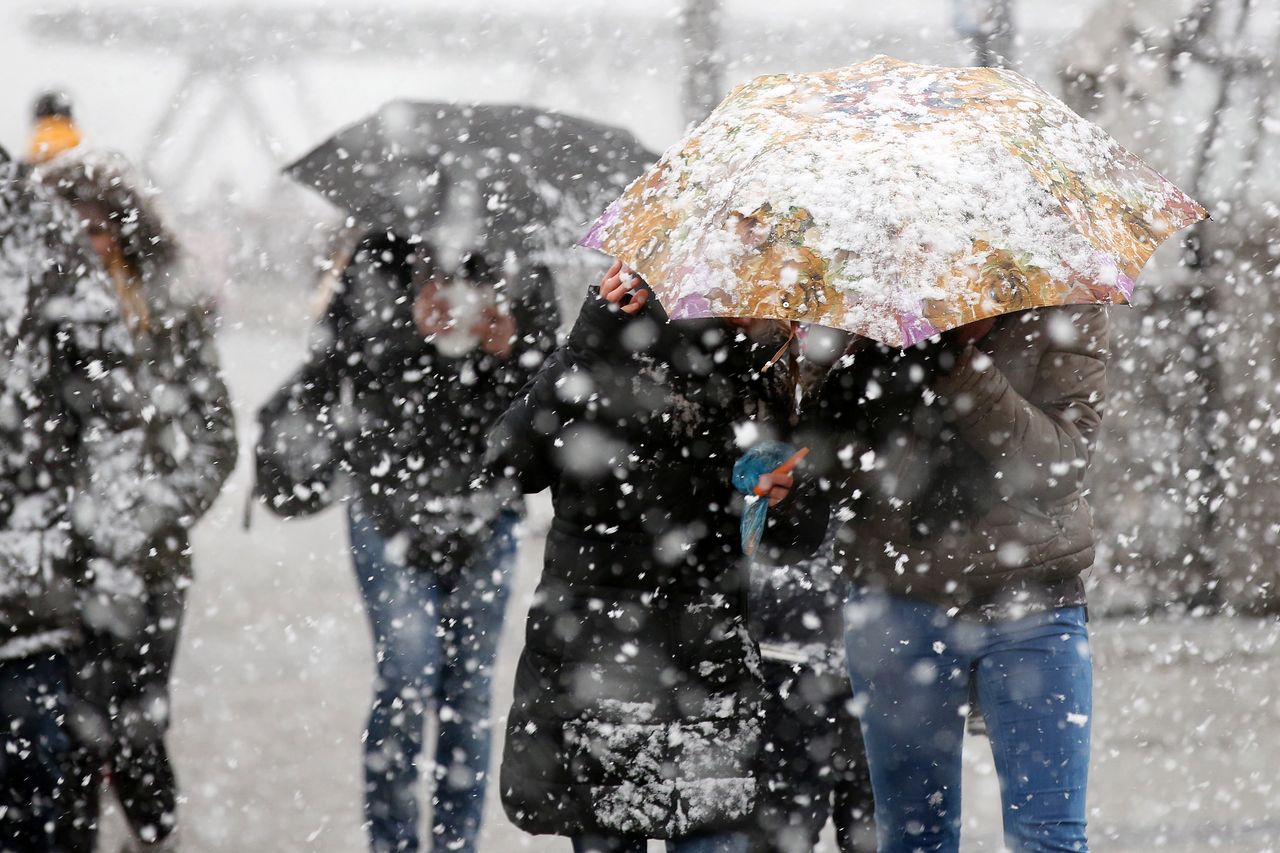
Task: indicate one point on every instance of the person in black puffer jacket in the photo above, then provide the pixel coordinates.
(121, 682)
(74, 494)
(637, 702)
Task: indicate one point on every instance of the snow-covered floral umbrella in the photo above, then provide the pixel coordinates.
(893, 200)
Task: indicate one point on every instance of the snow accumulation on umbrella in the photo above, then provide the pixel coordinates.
(892, 200)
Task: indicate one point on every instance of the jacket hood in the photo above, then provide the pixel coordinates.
(41, 247)
(106, 178)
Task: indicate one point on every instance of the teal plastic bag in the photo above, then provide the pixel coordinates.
(747, 471)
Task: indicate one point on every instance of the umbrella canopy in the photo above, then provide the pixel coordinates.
(892, 200)
(524, 168)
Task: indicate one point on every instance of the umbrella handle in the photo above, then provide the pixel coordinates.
(782, 350)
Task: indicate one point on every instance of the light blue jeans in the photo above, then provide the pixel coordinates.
(914, 669)
(435, 644)
(728, 842)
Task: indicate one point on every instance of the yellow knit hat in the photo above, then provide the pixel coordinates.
(52, 135)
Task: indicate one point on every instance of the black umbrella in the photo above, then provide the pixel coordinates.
(535, 177)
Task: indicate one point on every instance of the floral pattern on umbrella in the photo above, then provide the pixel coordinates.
(893, 200)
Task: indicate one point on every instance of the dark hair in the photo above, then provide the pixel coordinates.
(52, 104)
(475, 267)
(409, 263)
(394, 255)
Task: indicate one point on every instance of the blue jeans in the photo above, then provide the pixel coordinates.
(914, 672)
(435, 640)
(35, 753)
(729, 842)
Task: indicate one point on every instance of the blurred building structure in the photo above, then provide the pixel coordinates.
(990, 25)
(703, 71)
(226, 48)
(248, 66)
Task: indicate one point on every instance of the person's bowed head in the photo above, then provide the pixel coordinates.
(465, 311)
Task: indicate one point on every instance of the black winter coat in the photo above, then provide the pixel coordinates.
(72, 463)
(191, 435)
(400, 427)
(636, 705)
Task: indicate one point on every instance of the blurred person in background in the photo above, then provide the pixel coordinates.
(124, 669)
(413, 368)
(54, 130)
(73, 514)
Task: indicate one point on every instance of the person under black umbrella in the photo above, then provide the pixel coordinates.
(391, 411)
(636, 710)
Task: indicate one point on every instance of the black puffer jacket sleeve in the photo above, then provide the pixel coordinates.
(521, 442)
(299, 457)
(204, 420)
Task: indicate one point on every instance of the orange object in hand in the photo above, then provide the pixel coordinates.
(786, 467)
